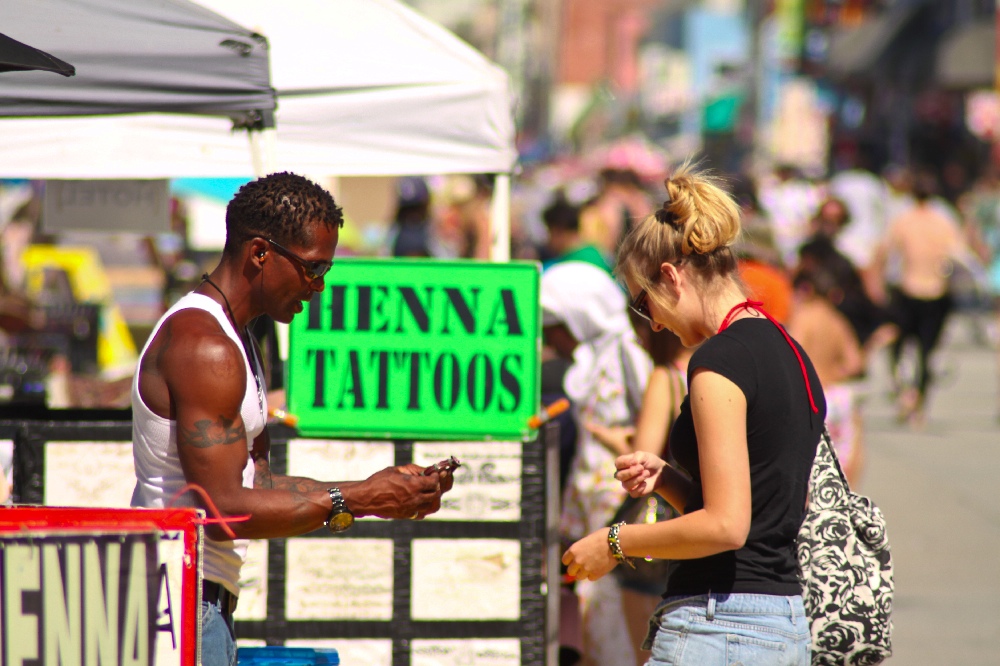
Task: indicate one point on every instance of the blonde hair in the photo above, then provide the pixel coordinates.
(697, 225)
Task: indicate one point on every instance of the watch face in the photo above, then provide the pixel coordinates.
(341, 521)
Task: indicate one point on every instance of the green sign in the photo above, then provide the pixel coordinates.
(418, 349)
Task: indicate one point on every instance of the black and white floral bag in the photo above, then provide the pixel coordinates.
(846, 569)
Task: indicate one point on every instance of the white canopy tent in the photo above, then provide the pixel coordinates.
(365, 87)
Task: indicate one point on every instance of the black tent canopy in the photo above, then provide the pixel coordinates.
(17, 56)
(138, 56)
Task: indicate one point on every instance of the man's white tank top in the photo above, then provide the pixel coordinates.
(154, 449)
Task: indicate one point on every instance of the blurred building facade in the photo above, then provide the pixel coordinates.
(821, 84)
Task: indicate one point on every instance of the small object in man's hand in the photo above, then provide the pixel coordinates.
(449, 465)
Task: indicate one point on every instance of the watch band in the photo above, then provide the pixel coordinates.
(340, 517)
(337, 504)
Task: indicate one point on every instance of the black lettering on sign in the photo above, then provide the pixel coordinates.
(364, 308)
(418, 310)
(337, 309)
(165, 612)
(389, 308)
(508, 309)
(479, 382)
(414, 360)
(511, 366)
(447, 384)
(461, 309)
(381, 359)
(88, 601)
(371, 308)
(350, 381)
(315, 356)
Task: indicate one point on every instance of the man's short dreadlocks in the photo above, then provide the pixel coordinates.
(279, 206)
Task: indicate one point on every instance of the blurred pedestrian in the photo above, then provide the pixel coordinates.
(761, 267)
(661, 405)
(462, 216)
(980, 210)
(744, 445)
(584, 319)
(863, 195)
(927, 244)
(411, 234)
(789, 201)
(871, 322)
(620, 201)
(829, 340)
(565, 243)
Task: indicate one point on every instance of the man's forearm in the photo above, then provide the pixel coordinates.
(298, 484)
(263, 478)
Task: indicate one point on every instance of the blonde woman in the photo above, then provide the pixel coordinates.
(743, 444)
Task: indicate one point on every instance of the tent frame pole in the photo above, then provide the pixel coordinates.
(500, 219)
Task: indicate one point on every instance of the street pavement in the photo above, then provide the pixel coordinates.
(939, 489)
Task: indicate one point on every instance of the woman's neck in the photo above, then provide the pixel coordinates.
(722, 307)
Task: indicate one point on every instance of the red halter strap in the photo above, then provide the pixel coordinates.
(757, 305)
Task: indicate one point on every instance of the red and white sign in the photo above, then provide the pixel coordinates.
(109, 586)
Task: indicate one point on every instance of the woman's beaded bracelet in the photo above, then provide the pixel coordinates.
(616, 547)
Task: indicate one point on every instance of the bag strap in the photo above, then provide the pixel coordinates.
(827, 441)
(759, 307)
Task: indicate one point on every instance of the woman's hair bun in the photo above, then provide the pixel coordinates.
(705, 214)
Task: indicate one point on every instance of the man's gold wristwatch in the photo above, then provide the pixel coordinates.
(340, 518)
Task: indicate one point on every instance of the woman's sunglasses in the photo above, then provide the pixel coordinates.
(640, 306)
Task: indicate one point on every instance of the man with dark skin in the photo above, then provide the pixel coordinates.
(199, 407)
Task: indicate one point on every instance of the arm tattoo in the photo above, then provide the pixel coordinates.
(263, 478)
(207, 433)
(299, 484)
(262, 472)
(294, 484)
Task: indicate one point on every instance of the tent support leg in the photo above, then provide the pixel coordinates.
(500, 219)
(262, 151)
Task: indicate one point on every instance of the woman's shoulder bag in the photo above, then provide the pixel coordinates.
(845, 568)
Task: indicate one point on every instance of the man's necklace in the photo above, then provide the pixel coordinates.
(243, 335)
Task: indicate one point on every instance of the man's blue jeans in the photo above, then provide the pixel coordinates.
(218, 636)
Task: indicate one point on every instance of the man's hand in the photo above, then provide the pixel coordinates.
(398, 492)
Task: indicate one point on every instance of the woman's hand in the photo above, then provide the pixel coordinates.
(590, 557)
(639, 472)
(617, 439)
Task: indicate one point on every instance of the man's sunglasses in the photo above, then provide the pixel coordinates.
(314, 269)
(640, 306)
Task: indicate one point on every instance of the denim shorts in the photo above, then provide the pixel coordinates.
(218, 636)
(722, 629)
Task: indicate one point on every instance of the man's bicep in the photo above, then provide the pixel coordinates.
(211, 435)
